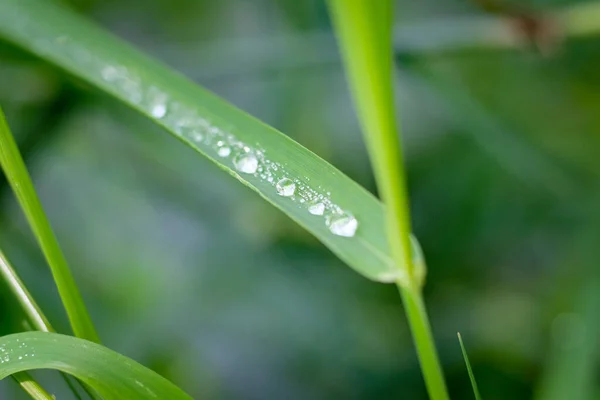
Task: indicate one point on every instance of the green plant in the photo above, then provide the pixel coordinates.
(365, 32)
(112, 375)
(372, 238)
(310, 191)
(469, 369)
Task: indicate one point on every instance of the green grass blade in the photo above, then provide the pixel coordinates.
(29, 385)
(18, 177)
(364, 30)
(469, 369)
(254, 153)
(114, 376)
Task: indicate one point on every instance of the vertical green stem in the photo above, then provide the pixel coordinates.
(364, 30)
(423, 339)
(18, 177)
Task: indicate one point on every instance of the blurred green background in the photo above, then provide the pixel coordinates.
(198, 278)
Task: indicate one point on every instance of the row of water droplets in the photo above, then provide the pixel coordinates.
(5, 355)
(246, 159)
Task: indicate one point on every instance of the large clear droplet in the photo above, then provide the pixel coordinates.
(285, 187)
(317, 208)
(343, 224)
(246, 163)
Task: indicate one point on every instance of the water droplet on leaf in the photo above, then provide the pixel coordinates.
(285, 187)
(317, 209)
(246, 163)
(343, 224)
(224, 151)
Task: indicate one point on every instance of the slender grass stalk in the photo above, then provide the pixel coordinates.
(469, 369)
(424, 343)
(364, 30)
(33, 312)
(18, 177)
(31, 386)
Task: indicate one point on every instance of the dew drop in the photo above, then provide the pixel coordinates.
(317, 208)
(285, 187)
(343, 224)
(159, 109)
(246, 163)
(157, 102)
(224, 151)
(196, 136)
(109, 73)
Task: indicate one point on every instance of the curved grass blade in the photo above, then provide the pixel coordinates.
(18, 177)
(36, 320)
(340, 213)
(469, 369)
(114, 376)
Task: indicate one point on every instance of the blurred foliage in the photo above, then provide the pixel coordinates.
(193, 275)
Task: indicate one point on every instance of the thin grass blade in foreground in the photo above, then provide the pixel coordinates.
(30, 386)
(340, 213)
(18, 177)
(114, 376)
(364, 30)
(469, 369)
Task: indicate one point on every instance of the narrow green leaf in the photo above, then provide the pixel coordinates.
(343, 215)
(114, 376)
(18, 177)
(471, 376)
